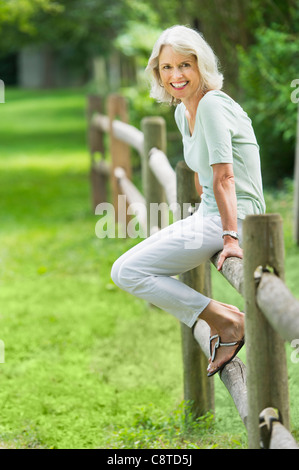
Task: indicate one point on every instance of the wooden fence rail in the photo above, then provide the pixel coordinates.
(121, 130)
(273, 434)
(272, 313)
(135, 199)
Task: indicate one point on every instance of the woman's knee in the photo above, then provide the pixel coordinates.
(124, 275)
(115, 272)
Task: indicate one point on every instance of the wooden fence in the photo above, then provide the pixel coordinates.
(259, 389)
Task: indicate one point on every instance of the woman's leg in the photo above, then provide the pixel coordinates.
(147, 269)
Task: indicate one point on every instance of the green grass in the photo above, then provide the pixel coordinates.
(87, 365)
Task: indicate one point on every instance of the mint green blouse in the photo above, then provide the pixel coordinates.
(223, 134)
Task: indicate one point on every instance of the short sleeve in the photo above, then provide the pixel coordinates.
(218, 122)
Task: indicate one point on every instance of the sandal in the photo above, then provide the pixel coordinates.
(218, 344)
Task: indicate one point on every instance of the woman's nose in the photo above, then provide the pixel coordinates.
(177, 72)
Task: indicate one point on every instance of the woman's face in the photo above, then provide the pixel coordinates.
(179, 74)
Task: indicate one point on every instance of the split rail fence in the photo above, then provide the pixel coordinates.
(259, 389)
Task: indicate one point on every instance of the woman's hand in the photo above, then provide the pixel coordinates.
(230, 248)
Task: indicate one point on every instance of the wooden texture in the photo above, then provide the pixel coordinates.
(198, 388)
(233, 375)
(121, 131)
(273, 434)
(129, 134)
(164, 173)
(134, 198)
(234, 378)
(274, 299)
(101, 122)
(95, 139)
(94, 134)
(232, 270)
(99, 177)
(154, 131)
(120, 151)
(267, 379)
(279, 306)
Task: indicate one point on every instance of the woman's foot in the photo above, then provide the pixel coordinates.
(227, 326)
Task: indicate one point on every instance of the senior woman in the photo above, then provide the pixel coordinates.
(220, 147)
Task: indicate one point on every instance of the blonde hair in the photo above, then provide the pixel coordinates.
(184, 40)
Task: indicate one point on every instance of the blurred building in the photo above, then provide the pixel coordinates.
(40, 67)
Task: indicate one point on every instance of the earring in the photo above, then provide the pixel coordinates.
(162, 86)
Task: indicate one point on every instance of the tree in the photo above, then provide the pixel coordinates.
(21, 12)
(81, 27)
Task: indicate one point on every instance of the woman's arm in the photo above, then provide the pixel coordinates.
(225, 195)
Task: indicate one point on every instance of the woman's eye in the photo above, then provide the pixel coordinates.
(185, 65)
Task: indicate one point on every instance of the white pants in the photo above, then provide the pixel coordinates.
(146, 270)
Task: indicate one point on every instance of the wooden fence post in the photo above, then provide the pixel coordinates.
(296, 186)
(95, 139)
(198, 388)
(120, 153)
(154, 131)
(273, 434)
(267, 378)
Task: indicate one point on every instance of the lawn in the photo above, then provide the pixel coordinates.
(87, 365)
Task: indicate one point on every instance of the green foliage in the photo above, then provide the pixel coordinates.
(140, 104)
(267, 70)
(80, 28)
(178, 430)
(21, 12)
(18, 21)
(137, 41)
(83, 28)
(281, 201)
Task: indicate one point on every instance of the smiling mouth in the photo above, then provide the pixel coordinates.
(179, 86)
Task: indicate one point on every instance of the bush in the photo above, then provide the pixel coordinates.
(267, 70)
